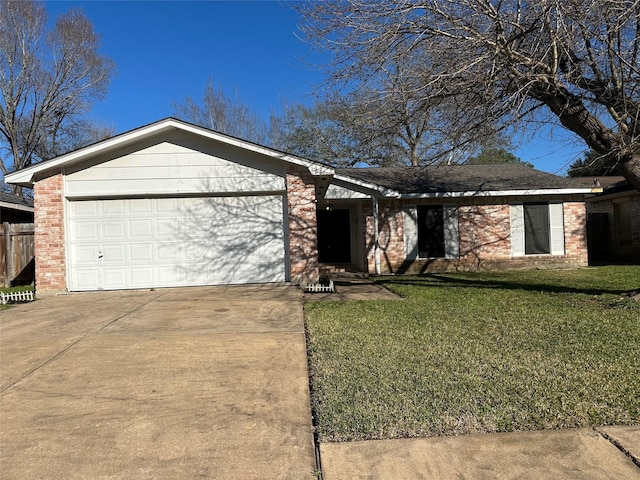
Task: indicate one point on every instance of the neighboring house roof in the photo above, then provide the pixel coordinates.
(27, 176)
(612, 186)
(438, 180)
(16, 202)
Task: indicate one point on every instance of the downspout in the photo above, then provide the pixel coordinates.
(376, 243)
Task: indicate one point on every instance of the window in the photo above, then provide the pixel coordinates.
(430, 231)
(536, 229)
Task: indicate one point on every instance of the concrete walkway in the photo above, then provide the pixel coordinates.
(175, 383)
(580, 454)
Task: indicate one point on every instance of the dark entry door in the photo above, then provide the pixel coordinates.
(334, 236)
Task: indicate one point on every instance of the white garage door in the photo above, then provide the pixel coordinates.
(167, 242)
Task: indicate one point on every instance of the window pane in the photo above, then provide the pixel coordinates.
(536, 228)
(430, 231)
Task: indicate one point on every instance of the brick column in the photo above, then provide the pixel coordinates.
(49, 235)
(575, 231)
(303, 227)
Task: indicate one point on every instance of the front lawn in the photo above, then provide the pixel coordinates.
(483, 352)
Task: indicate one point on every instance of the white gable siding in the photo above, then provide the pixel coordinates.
(172, 168)
(336, 192)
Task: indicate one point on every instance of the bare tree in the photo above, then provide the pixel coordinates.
(501, 62)
(223, 114)
(48, 80)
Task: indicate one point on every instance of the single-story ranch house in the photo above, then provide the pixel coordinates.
(173, 204)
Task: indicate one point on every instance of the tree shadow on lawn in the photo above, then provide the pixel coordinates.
(441, 280)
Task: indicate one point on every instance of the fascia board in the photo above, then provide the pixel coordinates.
(498, 193)
(16, 206)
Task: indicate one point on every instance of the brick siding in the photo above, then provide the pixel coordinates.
(484, 227)
(49, 235)
(303, 247)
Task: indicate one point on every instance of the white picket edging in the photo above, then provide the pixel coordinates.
(16, 297)
(320, 288)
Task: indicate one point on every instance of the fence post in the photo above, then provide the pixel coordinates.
(6, 227)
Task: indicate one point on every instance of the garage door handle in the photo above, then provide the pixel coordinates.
(99, 254)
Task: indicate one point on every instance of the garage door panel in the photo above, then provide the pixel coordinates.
(166, 227)
(167, 276)
(167, 252)
(85, 231)
(114, 278)
(140, 206)
(168, 205)
(141, 252)
(141, 277)
(177, 241)
(113, 229)
(87, 278)
(140, 228)
(85, 254)
(114, 254)
(113, 208)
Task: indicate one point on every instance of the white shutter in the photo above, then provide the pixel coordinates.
(410, 220)
(517, 229)
(451, 237)
(556, 221)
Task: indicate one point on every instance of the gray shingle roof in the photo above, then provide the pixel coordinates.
(458, 178)
(15, 199)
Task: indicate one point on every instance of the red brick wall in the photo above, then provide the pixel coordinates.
(303, 248)
(575, 231)
(485, 240)
(390, 236)
(485, 233)
(49, 235)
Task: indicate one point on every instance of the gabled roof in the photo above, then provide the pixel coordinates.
(464, 180)
(25, 177)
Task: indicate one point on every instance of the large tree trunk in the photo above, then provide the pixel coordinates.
(631, 170)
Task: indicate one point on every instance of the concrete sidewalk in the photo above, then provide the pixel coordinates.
(583, 454)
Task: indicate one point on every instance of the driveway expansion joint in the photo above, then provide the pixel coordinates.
(619, 446)
(71, 345)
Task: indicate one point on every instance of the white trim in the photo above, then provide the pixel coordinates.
(16, 206)
(410, 224)
(451, 233)
(556, 228)
(516, 214)
(376, 235)
(496, 193)
(25, 176)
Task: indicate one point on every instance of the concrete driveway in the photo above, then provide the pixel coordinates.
(176, 383)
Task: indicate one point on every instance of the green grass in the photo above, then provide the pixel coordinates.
(482, 352)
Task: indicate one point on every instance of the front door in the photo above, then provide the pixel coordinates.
(334, 236)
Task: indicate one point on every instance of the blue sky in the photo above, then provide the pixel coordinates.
(165, 51)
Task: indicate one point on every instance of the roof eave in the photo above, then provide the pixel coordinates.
(500, 193)
(16, 206)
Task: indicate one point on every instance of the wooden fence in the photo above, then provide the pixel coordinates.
(17, 263)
